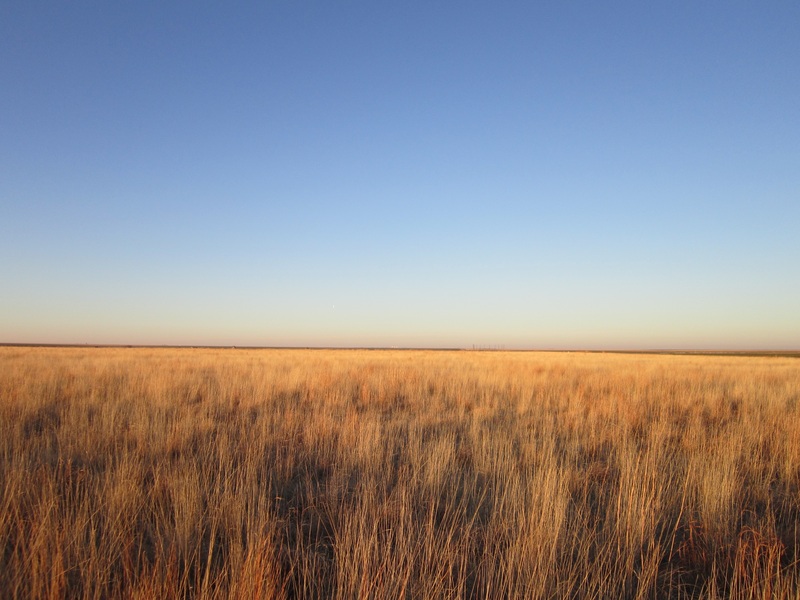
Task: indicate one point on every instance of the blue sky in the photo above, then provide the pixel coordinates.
(532, 175)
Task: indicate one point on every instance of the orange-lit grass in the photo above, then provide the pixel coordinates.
(347, 474)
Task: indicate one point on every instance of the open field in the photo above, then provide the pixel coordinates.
(225, 473)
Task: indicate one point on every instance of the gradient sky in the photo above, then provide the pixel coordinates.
(518, 174)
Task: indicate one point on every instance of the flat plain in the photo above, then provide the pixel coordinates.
(238, 473)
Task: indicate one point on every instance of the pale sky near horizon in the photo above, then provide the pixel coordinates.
(519, 174)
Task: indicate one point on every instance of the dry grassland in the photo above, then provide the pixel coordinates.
(182, 473)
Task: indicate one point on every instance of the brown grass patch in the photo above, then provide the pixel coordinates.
(214, 473)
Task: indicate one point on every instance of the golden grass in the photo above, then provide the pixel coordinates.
(178, 473)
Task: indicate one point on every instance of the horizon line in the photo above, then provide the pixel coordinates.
(789, 353)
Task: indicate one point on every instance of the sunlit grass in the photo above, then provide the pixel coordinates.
(346, 474)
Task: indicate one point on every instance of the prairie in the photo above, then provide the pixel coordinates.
(235, 473)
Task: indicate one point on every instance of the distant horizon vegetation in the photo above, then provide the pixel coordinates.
(711, 351)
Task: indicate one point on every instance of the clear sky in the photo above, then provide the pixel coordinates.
(518, 174)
